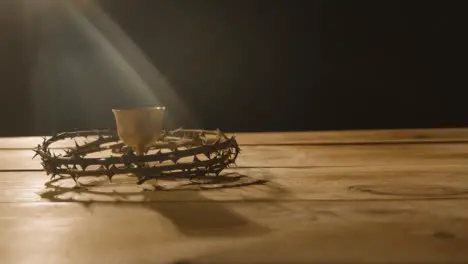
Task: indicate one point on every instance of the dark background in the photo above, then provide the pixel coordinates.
(259, 65)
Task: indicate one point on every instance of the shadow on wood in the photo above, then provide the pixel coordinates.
(191, 212)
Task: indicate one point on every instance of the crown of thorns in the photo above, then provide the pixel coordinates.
(208, 152)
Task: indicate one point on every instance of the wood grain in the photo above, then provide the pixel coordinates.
(356, 201)
(302, 138)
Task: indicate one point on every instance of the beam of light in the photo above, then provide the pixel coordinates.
(84, 55)
(140, 88)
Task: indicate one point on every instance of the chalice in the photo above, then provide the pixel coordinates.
(139, 127)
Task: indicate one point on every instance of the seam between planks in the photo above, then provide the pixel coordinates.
(389, 142)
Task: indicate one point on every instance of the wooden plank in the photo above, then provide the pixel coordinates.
(354, 137)
(353, 155)
(201, 232)
(366, 242)
(321, 184)
(317, 137)
(310, 208)
(309, 156)
(18, 160)
(19, 142)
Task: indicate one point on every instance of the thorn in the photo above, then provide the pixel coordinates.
(83, 167)
(174, 158)
(219, 134)
(52, 177)
(109, 176)
(76, 144)
(218, 140)
(142, 180)
(35, 155)
(196, 159)
(74, 167)
(207, 154)
(110, 172)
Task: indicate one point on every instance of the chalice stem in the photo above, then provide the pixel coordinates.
(140, 150)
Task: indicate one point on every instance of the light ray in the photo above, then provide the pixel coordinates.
(84, 55)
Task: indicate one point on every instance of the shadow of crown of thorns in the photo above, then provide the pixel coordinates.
(210, 152)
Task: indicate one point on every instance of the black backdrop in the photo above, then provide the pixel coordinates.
(264, 65)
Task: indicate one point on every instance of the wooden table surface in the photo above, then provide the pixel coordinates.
(393, 196)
